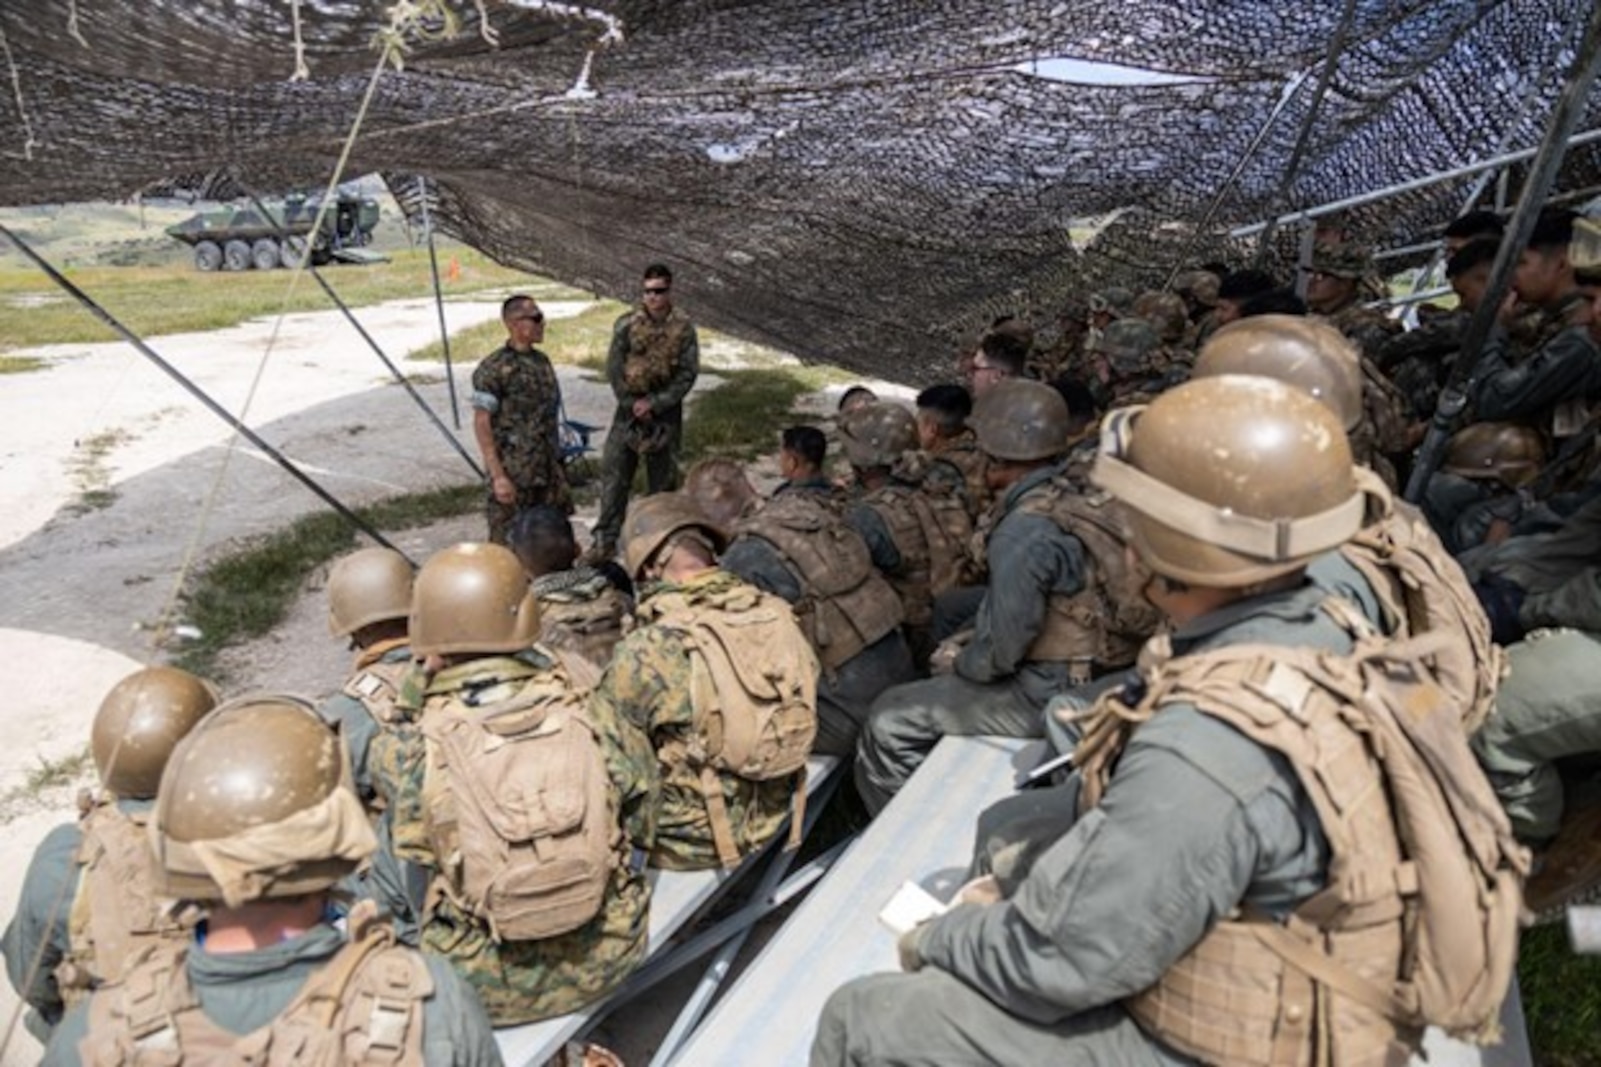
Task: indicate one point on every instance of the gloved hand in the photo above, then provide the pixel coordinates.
(911, 959)
(943, 659)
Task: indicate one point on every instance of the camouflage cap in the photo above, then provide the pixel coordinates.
(1115, 301)
(1342, 261)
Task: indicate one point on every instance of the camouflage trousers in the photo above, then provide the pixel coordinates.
(619, 462)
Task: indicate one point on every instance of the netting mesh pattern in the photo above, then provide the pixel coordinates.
(862, 182)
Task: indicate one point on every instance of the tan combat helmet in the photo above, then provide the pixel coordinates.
(877, 435)
(140, 722)
(472, 598)
(1200, 286)
(367, 587)
(720, 489)
(652, 520)
(1166, 312)
(1127, 344)
(256, 803)
(1021, 421)
(1306, 353)
(1496, 451)
(1232, 480)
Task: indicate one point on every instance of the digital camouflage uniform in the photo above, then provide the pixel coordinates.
(845, 692)
(649, 687)
(520, 981)
(367, 702)
(995, 688)
(244, 992)
(1198, 819)
(581, 612)
(520, 392)
(658, 361)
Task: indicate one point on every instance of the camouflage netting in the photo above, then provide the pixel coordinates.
(865, 183)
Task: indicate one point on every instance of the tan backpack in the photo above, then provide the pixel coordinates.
(845, 604)
(520, 810)
(753, 685)
(116, 912)
(1422, 590)
(1418, 924)
(1104, 625)
(364, 1006)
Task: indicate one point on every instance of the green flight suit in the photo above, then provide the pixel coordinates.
(1196, 821)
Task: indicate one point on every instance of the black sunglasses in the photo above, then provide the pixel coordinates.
(538, 316)
(657, 292)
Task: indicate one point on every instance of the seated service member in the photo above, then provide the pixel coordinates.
(268, 977)
(1207, 905)
(89, 901)
(528, 813)
(721, 679)
(582, 610)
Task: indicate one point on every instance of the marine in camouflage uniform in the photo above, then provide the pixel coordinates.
(516, 401)
(650, 686)
(517, 981)
(652, 365)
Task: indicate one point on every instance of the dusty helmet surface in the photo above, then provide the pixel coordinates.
(366, 587)
(1496, 451)
(1021, 421)
(1127, 344)
(878, 434)
(653, 519)
(1166, 312)
(472, 597)
(1306, 353)
(140, 722)
(721, 489)
(257, 802)
(1231, 480)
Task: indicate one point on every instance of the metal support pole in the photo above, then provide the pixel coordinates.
(1440, 178)
(394, 371)
(198, 393)
(1542, 173)
(1304, 136)
(439, 305)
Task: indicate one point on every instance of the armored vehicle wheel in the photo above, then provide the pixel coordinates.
(236, 255)
(208, 256)
(265, 254)
(294, 250)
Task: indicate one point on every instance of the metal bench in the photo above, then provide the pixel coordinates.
(924, 836)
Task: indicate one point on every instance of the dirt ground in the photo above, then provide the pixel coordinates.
(116, 481)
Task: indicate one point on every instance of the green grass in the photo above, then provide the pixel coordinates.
(247, 593)
(153, 300)
(741, 418)
(51, 773)
(1561, 999)
(19, 364)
